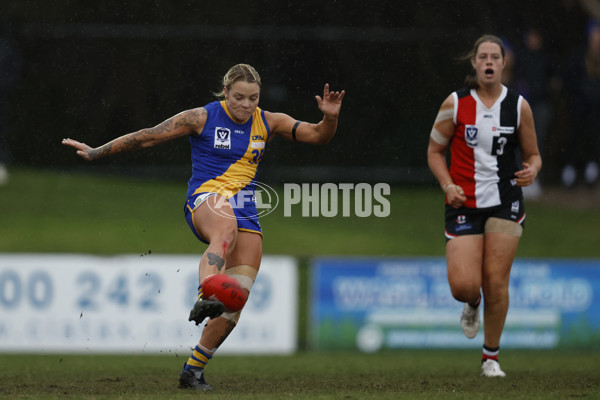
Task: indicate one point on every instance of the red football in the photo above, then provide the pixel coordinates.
(225, 289)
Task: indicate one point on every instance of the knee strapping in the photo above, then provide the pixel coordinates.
(245, 275)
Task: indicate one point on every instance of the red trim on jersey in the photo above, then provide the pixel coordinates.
(462, 157)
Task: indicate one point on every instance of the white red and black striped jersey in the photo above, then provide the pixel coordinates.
(483, 148)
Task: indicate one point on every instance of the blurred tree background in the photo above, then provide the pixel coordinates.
(94, 70)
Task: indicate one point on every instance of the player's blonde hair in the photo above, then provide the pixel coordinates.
(239, 72)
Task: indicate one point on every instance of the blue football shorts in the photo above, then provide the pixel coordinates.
(244, 208)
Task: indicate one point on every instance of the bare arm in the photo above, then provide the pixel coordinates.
(183, 124)
(305, 132)
(441, 134)
(532, 161)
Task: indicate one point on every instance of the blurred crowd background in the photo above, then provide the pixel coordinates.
(94, 70)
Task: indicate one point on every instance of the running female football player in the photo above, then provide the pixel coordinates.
(484, 124)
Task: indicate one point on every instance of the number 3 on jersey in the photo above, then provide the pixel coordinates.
(498, 146)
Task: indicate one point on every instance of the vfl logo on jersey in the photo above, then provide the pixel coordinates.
(471, 135)
(222, 138)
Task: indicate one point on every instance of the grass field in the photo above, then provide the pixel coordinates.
(45, 211)
(397, 375)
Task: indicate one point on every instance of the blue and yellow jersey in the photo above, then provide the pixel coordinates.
(225, 158)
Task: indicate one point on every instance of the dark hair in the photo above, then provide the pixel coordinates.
(471, 79)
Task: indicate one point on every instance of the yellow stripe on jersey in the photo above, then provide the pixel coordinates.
(240, 173)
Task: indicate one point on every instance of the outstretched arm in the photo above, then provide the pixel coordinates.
(183, 124)
(320, 133)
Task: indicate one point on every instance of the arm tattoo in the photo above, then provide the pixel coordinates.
(131, 141)
(101, 151)
(163, 127)
(214, 259)
(191, 118)
(151, 136)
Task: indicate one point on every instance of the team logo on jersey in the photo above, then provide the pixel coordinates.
(222, 138)
(514, 208)
(462, 224)
(258, 142)
(471, 135)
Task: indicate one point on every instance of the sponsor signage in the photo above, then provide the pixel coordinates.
(372, 304)
(91, 304)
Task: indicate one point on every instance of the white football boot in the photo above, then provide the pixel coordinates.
(469, 320)
(491, 369)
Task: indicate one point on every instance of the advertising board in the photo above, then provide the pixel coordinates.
(132, 303)
(387, 303)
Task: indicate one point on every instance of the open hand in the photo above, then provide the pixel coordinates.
(331, 102)
(83, 150)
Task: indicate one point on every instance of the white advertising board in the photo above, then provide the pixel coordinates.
(133, 304)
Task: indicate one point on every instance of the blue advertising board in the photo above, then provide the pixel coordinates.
(371, 304)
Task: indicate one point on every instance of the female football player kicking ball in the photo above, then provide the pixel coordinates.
(227, 139)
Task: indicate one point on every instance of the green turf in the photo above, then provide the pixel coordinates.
(44, 211)
(421, 374)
